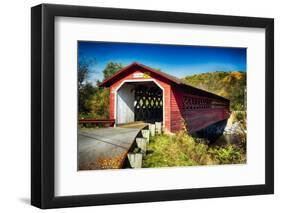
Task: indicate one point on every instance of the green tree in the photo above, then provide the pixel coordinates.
(110, 69)
(100, 104)
(85, 89)
(100, 99)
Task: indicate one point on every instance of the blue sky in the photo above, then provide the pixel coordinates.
(177, 60)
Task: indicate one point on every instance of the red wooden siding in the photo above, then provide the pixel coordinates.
(199, 119)
(111, 103)
(197, 115)
(177, 121)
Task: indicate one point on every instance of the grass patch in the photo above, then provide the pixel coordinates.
(184, 150)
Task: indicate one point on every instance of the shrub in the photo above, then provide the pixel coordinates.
(178, 150)
(182, 149)
(240, 116)
(227, 155)
(163, 151)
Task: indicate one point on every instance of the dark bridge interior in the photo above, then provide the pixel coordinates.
(148, 104)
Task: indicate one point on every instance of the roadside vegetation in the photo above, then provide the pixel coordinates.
(182, 149)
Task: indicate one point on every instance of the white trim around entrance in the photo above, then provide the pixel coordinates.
(139, 80)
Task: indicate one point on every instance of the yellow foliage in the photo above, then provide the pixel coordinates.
(105, 163)
(237, 75)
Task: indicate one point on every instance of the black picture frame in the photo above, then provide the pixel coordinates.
(43, 111)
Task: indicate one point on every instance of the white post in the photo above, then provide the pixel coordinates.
(141, 143)
(145, 134)
(135, 160)
(152, 129)
(158, 126)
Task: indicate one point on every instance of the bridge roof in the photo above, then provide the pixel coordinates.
(174, 80)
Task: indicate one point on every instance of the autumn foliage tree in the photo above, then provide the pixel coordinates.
(100, 99)
(231, 85)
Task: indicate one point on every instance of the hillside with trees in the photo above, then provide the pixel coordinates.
(231, 85)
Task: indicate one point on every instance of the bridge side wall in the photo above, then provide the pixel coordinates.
(177, 119)
(193, 112)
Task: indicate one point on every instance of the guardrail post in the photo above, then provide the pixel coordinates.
(135, 160)
(152, 129)
(158, 127)
(145, 134)
(141, 143)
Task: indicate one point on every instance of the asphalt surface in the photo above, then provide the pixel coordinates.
(104, 148)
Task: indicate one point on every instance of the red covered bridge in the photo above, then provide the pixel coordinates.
(140, 93)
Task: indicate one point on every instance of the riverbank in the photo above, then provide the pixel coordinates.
(235, 131)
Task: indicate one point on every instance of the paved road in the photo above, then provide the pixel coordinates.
(105, 148)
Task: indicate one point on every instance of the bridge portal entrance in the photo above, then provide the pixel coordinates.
(139, 101)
